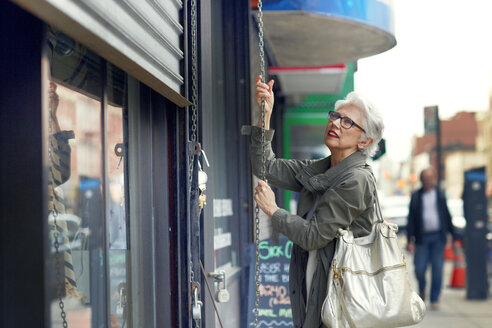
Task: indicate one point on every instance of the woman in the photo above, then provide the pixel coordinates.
(341, 188)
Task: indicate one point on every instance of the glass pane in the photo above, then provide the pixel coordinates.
(115, 201)
(224, 255)
(75, 179)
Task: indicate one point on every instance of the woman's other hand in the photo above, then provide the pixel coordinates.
(265, 198)
(264, 90)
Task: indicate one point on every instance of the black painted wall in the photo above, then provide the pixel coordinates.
(22, 242)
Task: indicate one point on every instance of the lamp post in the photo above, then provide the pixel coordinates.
(432, 125)
(438, 149)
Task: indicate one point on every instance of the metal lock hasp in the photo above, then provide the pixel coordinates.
(222, 295)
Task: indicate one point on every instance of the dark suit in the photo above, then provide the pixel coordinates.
(429, 245)
(415, 226)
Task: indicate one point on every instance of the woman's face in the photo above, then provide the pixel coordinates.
(342, 141)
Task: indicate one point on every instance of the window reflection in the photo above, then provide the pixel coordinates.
(87, 220)
(225, 252)
(75, 200)
(115, 200)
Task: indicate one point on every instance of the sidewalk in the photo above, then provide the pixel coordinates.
(455, 310)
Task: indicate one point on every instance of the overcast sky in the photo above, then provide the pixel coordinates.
(443, 57)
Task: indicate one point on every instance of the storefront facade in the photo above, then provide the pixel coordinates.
(97, 142)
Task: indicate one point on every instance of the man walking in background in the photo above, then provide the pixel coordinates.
(429, 222)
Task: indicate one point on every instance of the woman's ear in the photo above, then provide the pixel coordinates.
(364, 143)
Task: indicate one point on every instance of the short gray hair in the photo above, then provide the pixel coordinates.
(373, 123)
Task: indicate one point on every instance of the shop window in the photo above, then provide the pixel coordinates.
(86, 186)
(224, 170)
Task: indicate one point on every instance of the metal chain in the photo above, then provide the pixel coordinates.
(194, 115)
(194, 72)
(194, 87)
(257, 209)
(58, 275)
(261, 42)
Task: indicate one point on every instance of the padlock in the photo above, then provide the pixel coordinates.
(202, 179)
(202, 176)
(196, 309)
(119, 309)
(222, 295)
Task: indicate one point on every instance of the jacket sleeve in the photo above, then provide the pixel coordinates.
(447, 217)
(279, 172)
(411, 219)
(338, 208)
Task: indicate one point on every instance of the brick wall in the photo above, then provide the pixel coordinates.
(458, 133)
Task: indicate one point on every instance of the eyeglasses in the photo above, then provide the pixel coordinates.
(346, 122)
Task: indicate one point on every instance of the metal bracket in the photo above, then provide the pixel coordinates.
(194, 148)
(193, 286)
(218, 276)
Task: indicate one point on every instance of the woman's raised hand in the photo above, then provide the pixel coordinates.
(264, 90)
(265, 198)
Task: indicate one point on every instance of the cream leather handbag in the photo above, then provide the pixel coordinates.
(368, 284)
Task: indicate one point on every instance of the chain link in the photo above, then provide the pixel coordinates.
(260, 36)
(58, 275)
(257, 209)
(194, 72)
(194, 86)
(194, 116)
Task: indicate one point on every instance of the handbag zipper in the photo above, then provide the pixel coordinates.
(392, 267)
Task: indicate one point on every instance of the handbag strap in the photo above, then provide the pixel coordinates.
(379, 214)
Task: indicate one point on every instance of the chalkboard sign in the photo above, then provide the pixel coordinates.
(274, 309)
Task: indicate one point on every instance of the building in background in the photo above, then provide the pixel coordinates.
(458, 149)
(484, 143)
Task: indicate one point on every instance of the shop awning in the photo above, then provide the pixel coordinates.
(303, 33)
(143, 38)
(319, 79)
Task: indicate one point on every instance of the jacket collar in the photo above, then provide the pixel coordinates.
(319, 176)
(438, 192)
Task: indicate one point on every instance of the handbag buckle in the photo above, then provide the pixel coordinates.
(336, 273)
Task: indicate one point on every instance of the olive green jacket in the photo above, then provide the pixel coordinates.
(346, 199)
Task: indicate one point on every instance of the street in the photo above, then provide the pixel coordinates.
(455, 310)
